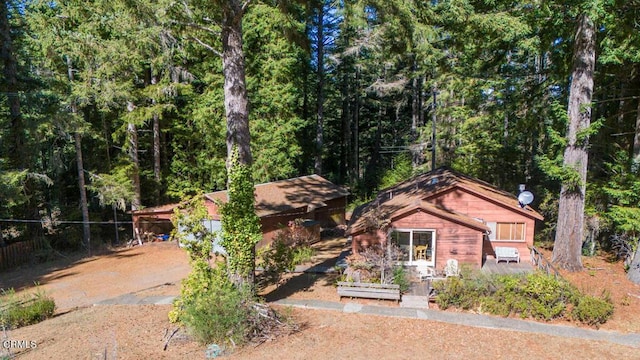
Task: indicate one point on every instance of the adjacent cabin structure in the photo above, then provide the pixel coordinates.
(442, 215)
(277, 204)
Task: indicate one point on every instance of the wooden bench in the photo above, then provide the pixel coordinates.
(507, 254)
(369, 290)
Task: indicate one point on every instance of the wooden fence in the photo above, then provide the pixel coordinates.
(19, 253)
(543, 264)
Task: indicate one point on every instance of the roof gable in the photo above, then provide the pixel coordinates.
(442, 213)
(420, 189)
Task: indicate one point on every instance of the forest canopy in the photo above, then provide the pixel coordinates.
(123, 101)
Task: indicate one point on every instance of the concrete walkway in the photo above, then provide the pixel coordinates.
(483, 321)
(466, 319)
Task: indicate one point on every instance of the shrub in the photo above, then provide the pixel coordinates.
(536, 295)
(211, 305)
(218, 314)
(27, 310)
(401, 278)
(593, 310)
(456, 292)
(374, 264)
(548, 296)
(280, 257)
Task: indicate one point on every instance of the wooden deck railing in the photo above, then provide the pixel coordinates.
(542, 263)
(19, 253)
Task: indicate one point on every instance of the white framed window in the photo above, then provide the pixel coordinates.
(418, 246)
(506, 231)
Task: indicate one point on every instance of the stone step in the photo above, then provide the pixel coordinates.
(415, 301)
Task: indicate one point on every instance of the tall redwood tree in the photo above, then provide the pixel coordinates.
(567, 249)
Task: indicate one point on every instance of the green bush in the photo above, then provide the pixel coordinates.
(400, 277)
(535, 295)
(220, 314)
(16, 311)
(456, 292)
(280, 257)
(593, 310)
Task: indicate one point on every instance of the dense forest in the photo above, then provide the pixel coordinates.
(108, 106)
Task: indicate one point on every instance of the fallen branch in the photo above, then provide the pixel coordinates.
(166, 344)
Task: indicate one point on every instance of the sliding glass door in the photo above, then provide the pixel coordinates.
(418, 246)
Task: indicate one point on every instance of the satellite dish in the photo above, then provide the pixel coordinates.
(525, 198)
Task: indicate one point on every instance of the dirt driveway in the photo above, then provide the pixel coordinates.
(88, 281)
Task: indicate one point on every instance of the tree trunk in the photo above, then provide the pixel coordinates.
(320, 92)
(417, 155)
(634, 268)
(434, 117)
(132, 135)
(345, 149)
(235, 89)
(635, 161)
(356, 130)
(86, 230)
(157, 175)
(567, 249)
(237, 111)
(16, 155)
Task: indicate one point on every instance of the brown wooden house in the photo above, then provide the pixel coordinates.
(443, 215)
(277, 204)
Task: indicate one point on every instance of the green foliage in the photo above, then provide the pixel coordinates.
(290, 247)
(219, 313)
(535, 295)
(25, 310)
(240, 224)
(274, 87)
(113, 189)
(548, 297)
(551, 162)
(402, 170)
(280, 257)
(622, 193)
(190, 231)
(12, 188)
(455, 292)
(591, 310)
(212, 307)
(401, 278)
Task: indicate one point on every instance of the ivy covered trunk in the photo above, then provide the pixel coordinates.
(240, 224)
(567, 250)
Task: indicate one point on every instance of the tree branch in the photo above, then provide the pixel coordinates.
(245, 6)
(206, 46)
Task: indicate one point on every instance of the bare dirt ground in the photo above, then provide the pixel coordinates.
(87, 281)
(82, 331)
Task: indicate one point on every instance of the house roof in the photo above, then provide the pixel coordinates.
(416, 192)
(305, 193)
(155, 210)
(309, 192)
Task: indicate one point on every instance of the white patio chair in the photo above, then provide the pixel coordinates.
(451, 269)
(426, 273)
